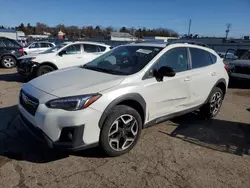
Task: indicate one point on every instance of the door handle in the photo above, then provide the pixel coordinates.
(78, 57)
(213, 74)
(187, 79)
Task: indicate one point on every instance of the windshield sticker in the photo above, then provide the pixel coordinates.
(144, 51)
(124, 53)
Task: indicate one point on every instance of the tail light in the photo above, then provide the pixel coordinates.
(226, 67)
(21, 50)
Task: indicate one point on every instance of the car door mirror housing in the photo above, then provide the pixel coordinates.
(61, 53)
(164, 72)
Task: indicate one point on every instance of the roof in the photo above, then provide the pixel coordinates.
(147, 44)
(121, 35)
(86, 42)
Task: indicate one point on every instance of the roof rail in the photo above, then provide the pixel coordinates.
(189, 42)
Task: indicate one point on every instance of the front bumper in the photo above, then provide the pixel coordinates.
(54, 125)
(27, 69)
(75, 145)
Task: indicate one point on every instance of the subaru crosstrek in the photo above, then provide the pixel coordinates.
(108, 101)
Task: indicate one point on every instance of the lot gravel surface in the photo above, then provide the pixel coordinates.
(184, 152)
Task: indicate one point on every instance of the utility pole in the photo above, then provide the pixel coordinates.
(228, 29)
(189, 26)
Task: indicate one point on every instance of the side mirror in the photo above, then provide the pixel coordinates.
(164, 71)
(61, 53)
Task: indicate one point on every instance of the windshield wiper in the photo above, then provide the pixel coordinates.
(103, 70)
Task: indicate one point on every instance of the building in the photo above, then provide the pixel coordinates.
(165, 39)
(12, 34)
(120, 36)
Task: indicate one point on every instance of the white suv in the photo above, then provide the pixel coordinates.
(108, 101)
(64, 55)
(37, 47)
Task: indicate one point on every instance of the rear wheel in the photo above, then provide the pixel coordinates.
(121, 130)
(212, 108)
(44, 69)
(8, 62)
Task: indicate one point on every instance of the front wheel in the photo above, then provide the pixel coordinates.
(212, 108)
(44, 69)
(121, 130)
(8, 62)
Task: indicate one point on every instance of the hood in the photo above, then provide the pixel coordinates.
(240, 62)
(75, 81)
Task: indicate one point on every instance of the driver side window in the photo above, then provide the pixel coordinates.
(73, 49)
(175, 58)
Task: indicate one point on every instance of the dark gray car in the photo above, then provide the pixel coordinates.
(10, 50)
(240, 68)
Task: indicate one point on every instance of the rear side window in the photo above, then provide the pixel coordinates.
(89, 48)
(200, 58)
(102, 48)
(214, 58)
(44, 45)
(11, 43)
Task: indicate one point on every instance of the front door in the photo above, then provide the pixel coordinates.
(172, 94)
(72, 56)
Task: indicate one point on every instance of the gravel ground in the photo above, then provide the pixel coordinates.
(184, 152)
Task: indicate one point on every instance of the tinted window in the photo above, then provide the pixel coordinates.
(214, 58)
(102, 48)
(200, 58)
(44, 45)
(50, 45)
(2, 44)
(246, 56)
(11, 43)
(175, 58)
(89, 48)
(35, 45)
(73, 49)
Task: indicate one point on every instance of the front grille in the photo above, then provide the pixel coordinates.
(241, 70)
(29, 103)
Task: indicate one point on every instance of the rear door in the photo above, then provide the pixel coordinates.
(204, 75)
(91, 51)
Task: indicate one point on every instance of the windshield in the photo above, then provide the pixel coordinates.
(54, 49)
(124, 60)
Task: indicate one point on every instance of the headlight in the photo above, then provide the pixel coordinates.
(73, 103)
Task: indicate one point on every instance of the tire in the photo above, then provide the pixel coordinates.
(44, 69)
(212, 107)
(124, 139)
(8, 62)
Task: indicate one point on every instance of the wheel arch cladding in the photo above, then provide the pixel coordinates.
(49, 64)
(221, 83)
(4, 55)
(133, 100)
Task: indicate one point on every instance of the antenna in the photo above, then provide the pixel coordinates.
(228, 29)
(189, 26)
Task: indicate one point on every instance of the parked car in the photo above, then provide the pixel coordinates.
(240, 68)
(109, 100)
(10, 50)
(37, 47)
(64, 55)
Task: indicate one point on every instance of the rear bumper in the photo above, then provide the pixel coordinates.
(75, 145)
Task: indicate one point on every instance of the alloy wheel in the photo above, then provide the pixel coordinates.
(215, 103)
(9, 62)
(123, 132)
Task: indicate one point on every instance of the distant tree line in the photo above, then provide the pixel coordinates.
(90, 31)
